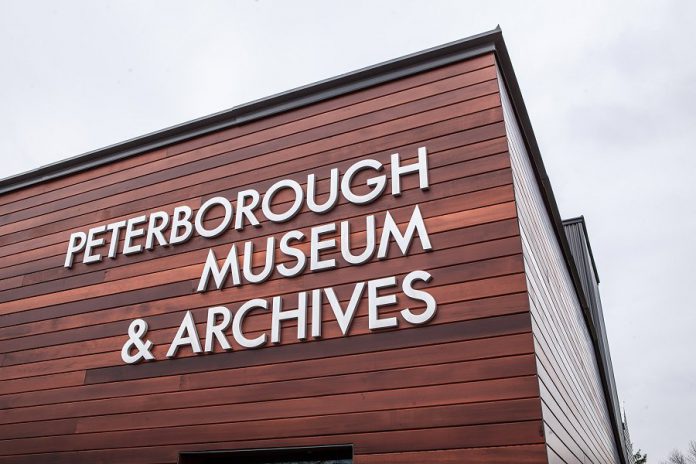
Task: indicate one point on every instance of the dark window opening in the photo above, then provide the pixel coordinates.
(317, 455)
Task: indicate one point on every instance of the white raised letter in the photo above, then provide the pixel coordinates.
(181, 218)
(312, 194)
(115, 228)
(427, 298)
(219, 274)
(239, 321)
(421, 166)
(159, 221)
(132, 233)
(391, 229)
(316, 313)
(375, 301)
(287, 250)
(369, 245)
(279, 315)
(213, 330)
(244, 210)
(186, 335)
(317, 245)
(92, 242)
(292, 211)
(249, 258)
(224, 224)
(378, 183)
(345, 318)
(76, 243)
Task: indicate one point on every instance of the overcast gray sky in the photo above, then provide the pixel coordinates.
(610, 88)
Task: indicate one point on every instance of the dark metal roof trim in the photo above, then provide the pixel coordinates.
(285, 101)
(491, 41)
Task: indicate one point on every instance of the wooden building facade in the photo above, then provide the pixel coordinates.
(511, 366)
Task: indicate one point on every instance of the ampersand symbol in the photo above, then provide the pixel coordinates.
(136, 331)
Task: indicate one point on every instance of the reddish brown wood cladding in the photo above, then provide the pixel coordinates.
(476, 97)
(504, 345)
(463, 388)
(518, 454)
(135, 412)
(476, 112)
(442, 193)
(446, 152)
(468, 235)
(488, 271)
(490, 129)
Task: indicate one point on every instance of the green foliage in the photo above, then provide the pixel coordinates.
(640, 458)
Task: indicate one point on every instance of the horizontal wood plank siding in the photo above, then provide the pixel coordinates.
(463, 388)
(576, 420)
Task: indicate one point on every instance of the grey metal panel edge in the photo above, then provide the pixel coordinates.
(579, 240)
(581, 220)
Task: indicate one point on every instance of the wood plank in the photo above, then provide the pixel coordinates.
(465, 152)
(478, 435)
(391, 106)
(447, 287)
(24, 314)
(468, 195)
(484, 110)
(524, 454)
(481, 328)
(441, 438)
(567, 362)
(168, 315)
(467, 236)
(44, 382)
(503, 376)
(448, 313)
(103, 173)
(505, 345)
(481, 127)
